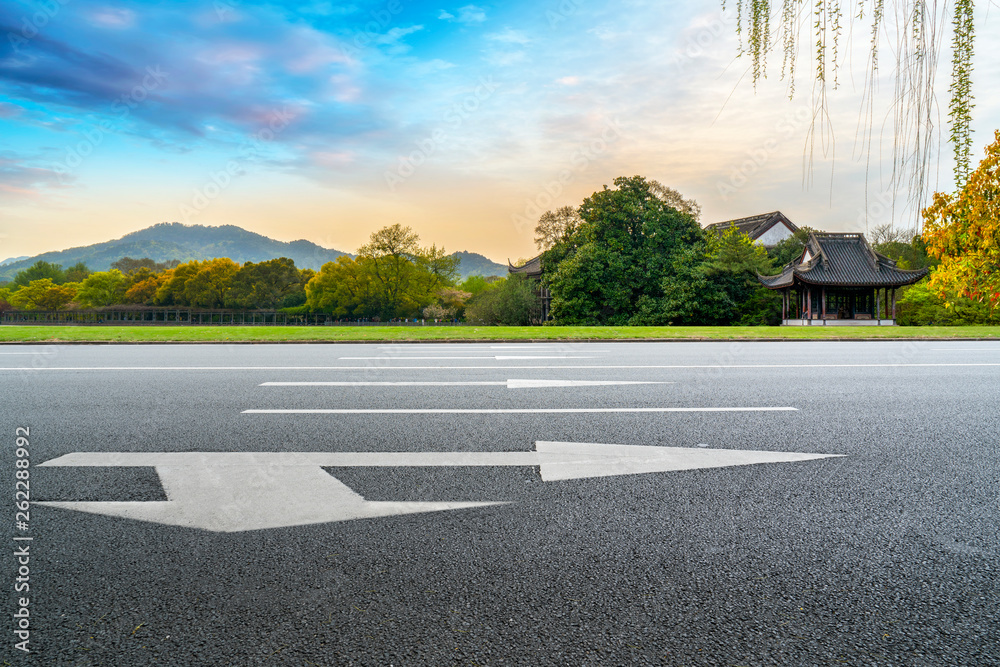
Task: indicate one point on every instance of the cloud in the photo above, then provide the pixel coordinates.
(22, 180)
(471, 14)
(509, 36)
(568, 81)
(428, 67)
(392, 39)
(466, 14)
(227, 76)
(113, 17)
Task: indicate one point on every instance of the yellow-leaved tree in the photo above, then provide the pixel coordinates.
(963, 231)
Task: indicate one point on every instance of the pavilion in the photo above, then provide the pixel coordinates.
(840, 280)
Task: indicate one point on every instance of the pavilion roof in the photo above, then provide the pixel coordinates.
(842, 260)
(753, 226)
(532, 268)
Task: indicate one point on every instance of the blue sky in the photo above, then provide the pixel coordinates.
(328, 120)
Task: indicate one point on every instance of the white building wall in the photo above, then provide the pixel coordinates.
(777, 233)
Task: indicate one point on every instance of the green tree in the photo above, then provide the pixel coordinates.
(790, 249)
(40, 270)
(5, 295)
(104, 288)
(129, 265)
(275, 283)
(621, 253)
(209, 287)
(510, 301)
(77, 273)
(390, 256)
(474, 285)
(554, 226)
(344, 288)
(43, 294)
(173, 285)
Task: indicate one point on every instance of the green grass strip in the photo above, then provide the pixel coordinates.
(10, 333)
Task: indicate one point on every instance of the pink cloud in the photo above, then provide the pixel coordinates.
(335, 159)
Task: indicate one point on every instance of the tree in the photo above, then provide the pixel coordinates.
(129, 266)
(553, 227)
(963, 231)
(917, 30)
(209, 287)
(104, 288)
(675, 199)
(391, 253)
(43, 294)
(510, 301)
(172, 289)
(714, 283)
(77, 273)
(474, 285)
(733, 263)
(143, 291)
(272, 284)
(344, 288)
(790, 249)
(620, 253)
(40, 270)
(5, 304)
(908, 252)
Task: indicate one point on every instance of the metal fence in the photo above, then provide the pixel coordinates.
(173, 316)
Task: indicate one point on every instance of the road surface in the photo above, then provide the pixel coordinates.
(804, 503)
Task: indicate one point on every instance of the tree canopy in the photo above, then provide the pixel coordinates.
(618, 254)
(963, 231)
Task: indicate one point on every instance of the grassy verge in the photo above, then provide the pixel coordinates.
(206, 334)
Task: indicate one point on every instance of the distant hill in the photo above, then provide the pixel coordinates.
(474, 264)
(173, 240)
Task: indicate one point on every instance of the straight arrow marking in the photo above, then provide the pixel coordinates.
(240, 491)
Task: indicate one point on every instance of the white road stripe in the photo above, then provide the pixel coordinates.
(498, 411)
(464, 368)
(498, 358)
(510, 384)
(966, 349)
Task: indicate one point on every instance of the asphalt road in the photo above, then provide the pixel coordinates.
(886, 555)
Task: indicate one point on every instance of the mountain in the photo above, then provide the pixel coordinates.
(474, 264)
(172, 240)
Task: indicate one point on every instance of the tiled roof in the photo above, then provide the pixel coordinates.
(844, 260)
(531, 268)
(755, 225)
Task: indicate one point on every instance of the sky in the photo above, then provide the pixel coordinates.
(329, 120)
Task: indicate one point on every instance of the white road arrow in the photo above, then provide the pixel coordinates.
(235, 491)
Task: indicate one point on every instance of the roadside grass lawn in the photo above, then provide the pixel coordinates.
(192, 333)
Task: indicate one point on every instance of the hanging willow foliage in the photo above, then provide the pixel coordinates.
(917, 28)
(960, 108)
